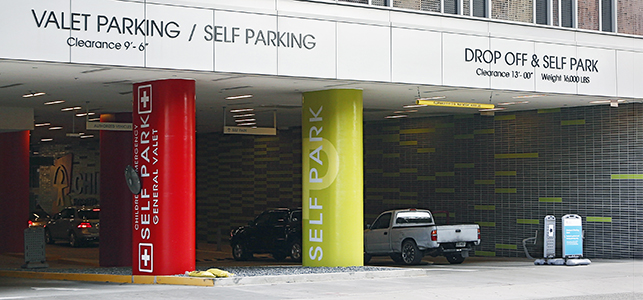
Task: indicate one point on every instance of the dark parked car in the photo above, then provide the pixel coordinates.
(77, 225)
(276, 231)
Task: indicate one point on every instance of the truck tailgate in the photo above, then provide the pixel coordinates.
(457, 233)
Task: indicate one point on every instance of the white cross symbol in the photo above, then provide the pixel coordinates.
(145, 99)
(145, 257)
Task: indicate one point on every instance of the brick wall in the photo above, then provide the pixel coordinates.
(630, 17)
(588, 14)
(512, 10)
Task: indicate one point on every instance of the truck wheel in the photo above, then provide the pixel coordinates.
(240, 252)
(454, 258)
(397, 257)
(295, 251)
(279, 256)
(411, 254)
(367, 257)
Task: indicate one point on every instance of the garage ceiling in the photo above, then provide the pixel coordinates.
(101, 89)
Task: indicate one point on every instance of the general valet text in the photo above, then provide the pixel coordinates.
(521, 59)
(133, 27)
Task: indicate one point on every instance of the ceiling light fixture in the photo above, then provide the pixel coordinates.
(396, 116)
(46, 140)
(56, 128)
(529, 96)
(244, 116)
(85, 114)
(33, 94)
(414, 106)
(238, 110)
(607, 101)
(405, 111)
(245, 120)
(238, 97)
(513, 103)
(42, 124)
(247, 124)
(71, 108)
(432, 98)
(54, 102)
(86, 136)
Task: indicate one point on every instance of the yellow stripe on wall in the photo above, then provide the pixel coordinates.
(528, 221)
(484, 182)
(627, 176)
(505, 173)
(550, 199)
(517, 155)
(484, 207)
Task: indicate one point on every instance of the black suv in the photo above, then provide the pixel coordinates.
(275, 231)
(77, 225)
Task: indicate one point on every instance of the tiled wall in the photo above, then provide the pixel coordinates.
(504, 172)
(507, 172)
(240, 176)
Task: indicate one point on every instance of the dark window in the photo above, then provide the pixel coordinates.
(542, 12)
(567, 13)
(451, 7)
(607, 15)
(480, 8)
(382, 222)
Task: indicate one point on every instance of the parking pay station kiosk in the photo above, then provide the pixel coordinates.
(549, 238)
(572, 236)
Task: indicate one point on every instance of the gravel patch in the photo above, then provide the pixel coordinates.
(237, 271)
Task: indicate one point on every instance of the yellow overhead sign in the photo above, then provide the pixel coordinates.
(454, 104)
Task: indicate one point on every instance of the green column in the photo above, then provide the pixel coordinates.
(333, 178)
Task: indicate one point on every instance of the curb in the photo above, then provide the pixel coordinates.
(200, 281)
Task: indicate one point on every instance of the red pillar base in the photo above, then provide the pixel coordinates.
(115, 197)
(14, 188)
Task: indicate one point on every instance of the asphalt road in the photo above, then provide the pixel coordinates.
(474, 279)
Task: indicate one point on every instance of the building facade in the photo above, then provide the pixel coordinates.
(563, 76)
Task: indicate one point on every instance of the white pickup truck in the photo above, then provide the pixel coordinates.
(406, 235)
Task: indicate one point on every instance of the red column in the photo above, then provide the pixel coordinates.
(164, 230)
(115, 196)
(14, 188)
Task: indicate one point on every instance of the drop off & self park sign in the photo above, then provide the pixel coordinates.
(522, 59)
